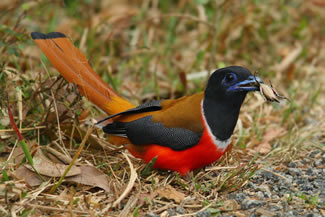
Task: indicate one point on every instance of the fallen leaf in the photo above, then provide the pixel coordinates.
(47, 168)
(8, 4)
(265, 146)
(18, 154)
(30, 177)
(322, 211)
(90, 176)
(171, 193)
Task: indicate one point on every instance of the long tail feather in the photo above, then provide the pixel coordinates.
(74, 67)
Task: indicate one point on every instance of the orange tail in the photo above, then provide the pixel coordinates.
(74, 67)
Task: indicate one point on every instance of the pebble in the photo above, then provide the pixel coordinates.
(294, 171)
(267, 194)
(274, 196)
(277, 192)
(309, 172)
(248, 204)
(171, 212)
(269, 175)
(313, 215)
(306, 187)
(306, 161)
(275, 207)
(204, 213)
(318, 163)
(314, 153)
(319, 183)
(260, 194)
(291, 213)
(292, 165)
(239, 197)
(180, 210)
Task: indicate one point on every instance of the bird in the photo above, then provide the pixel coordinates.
(182, 134)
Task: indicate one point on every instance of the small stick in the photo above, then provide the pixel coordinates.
(130, 185)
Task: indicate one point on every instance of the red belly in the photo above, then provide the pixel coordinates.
(183, 161)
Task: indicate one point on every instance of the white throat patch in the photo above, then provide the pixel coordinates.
(217, 142)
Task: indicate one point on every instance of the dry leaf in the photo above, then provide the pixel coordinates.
(47, 168)
(90, 176)
(8, 4)
(322, 211)
(265, 146)
(171, 193)
(272, 134)
(30, 177)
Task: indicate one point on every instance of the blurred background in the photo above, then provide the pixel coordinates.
(154, 49)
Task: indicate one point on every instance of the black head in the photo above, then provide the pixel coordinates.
(230, 82)
(224, 95)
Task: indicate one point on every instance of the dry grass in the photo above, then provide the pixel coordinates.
(145, 50)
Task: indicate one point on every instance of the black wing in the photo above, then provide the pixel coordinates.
(145, 107)
(144, 131)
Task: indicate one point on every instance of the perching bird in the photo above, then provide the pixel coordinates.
(184, 134)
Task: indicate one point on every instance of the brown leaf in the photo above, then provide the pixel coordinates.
(171, 193)
(46, 167)
(18, 154)
(265, 146)
(272, 134)
(90, 176)
(8, 4)
(322, 211)
(30, 177)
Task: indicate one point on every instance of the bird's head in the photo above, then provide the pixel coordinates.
(231, 83)
(223, 97)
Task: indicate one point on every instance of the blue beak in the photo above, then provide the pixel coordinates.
(250, 84)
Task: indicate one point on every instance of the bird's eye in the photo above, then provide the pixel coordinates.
(230, 77)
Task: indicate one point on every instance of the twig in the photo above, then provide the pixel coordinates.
(64, 158)
(57, 117)
(129, 205)
(195, 213)
(164, 208)
(221, 168)
(274, 173)
(130, 185)
(73, 160)
(22, 129)
(318, 146)
(55, 209)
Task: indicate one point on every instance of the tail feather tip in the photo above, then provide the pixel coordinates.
(51, 35)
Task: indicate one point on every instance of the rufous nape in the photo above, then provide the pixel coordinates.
(184, 134)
